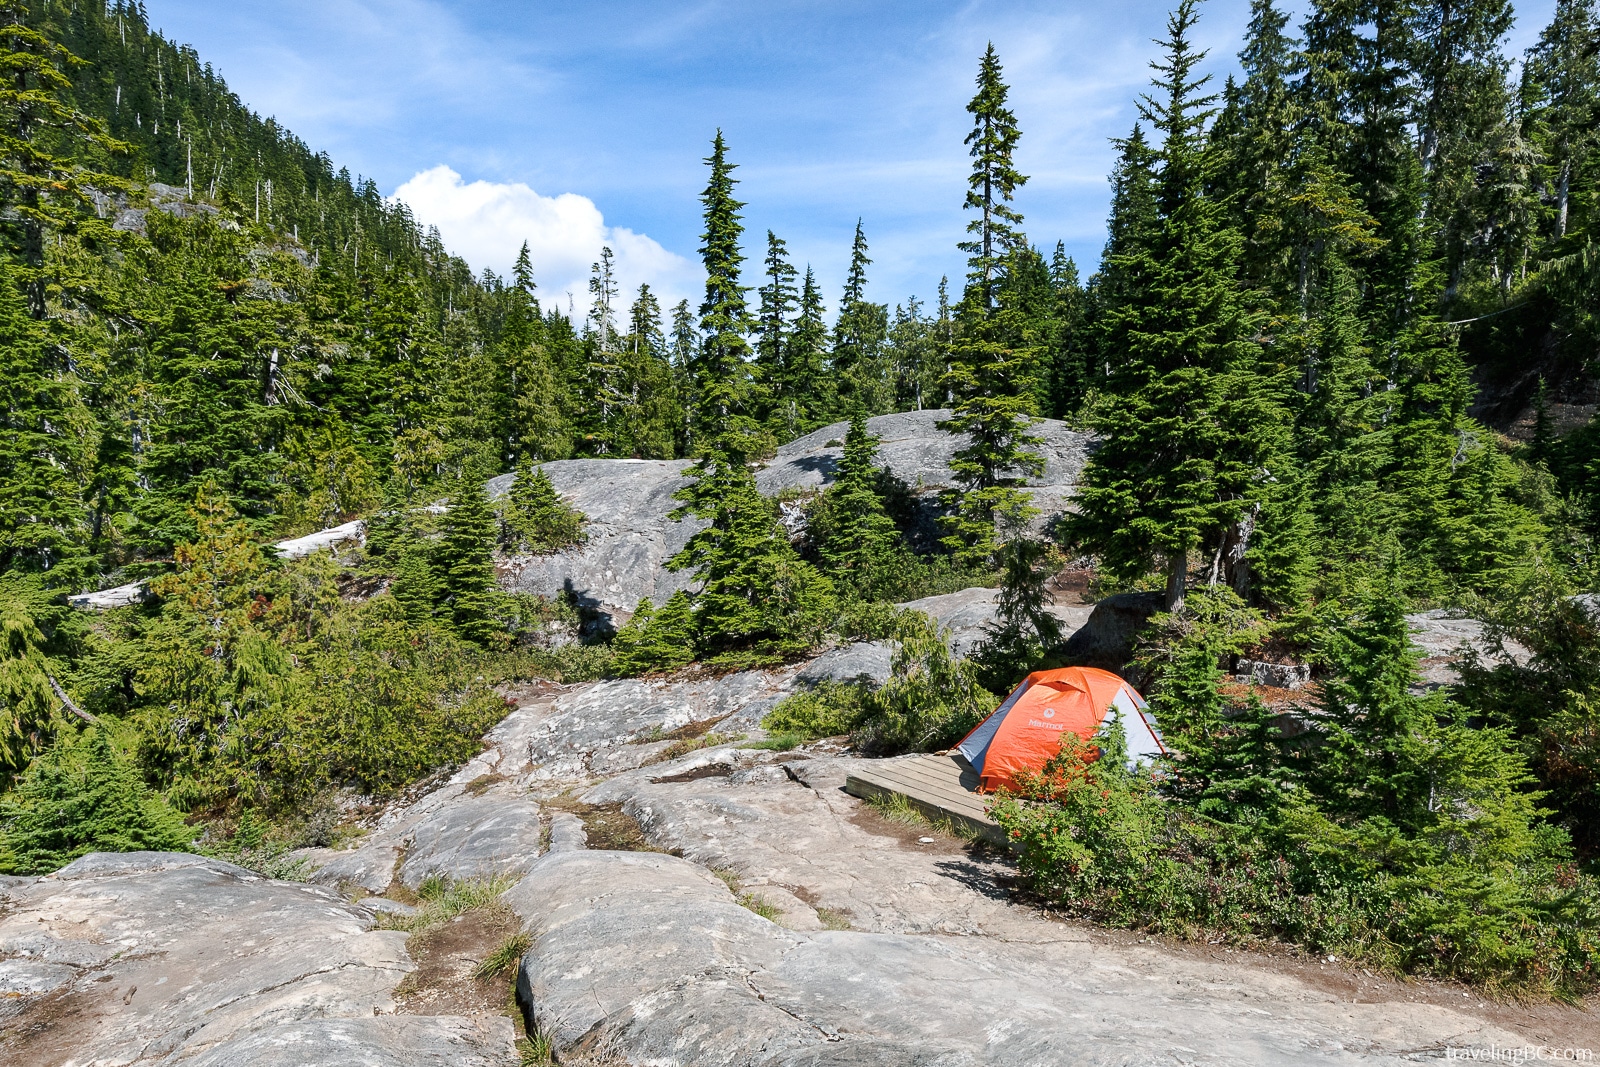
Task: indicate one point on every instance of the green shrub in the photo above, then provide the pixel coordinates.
(656, 640)
(535, 518)
(81, 798)
(830, 709)
(1102, 843)
(931, 698)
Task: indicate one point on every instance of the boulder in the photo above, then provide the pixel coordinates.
(916, 451)
(628, 503)
(1107, 638)
(180, 959)
(968, 612)
(1442, 636)
(630, 534)
(647, 958)
(1276, 675)
(867, 661)
(473, 837)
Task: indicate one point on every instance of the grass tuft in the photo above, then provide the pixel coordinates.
(834, 920)
(505, 957)
(761, 907)
(535, 1051)
(443, 899)
(785, 742)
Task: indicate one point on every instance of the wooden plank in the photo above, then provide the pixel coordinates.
(933, 785)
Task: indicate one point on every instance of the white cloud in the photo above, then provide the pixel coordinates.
(486, 222)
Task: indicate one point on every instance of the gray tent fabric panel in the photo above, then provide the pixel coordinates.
(1137, 727)
(976, 745)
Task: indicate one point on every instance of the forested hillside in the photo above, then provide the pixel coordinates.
(1339, 359)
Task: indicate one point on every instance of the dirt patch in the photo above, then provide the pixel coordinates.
(909, 835)
(1072, 584)
(709, 770)
(480, 784)
(447, 956)
(54, 1026)
(607, 826)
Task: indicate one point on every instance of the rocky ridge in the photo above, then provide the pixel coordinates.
(887, 945)
(628, 503)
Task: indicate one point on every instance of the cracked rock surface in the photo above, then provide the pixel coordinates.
(628, 503)
(152, 957)
(887, 944)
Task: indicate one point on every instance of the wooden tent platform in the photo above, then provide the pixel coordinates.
(941, 787)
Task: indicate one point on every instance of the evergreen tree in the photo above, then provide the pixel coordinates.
(537, 520)
(990, 383)
(814, 390)
(992, 184)
(915, 356)
(1068, 375)
(646, 424)
(41, 509)
(1562, 93)
(685, 343)
(1130, 227)
(88, 799)
(655, 640)
(467, 565)
(859, 337)
(41, 191)
(606, 390)
(1193, 424)
(778, 301)
(728, 398)
(860, 536)
(1024, 633)
(27, 705)
(758, 602)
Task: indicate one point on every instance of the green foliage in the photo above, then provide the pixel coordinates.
(467, 550)
(990, 377)
(536, 519)
(654, 640)
(854, 535)
(1024, 634)
(828, 710)
(1541, 682)
(931, 700)
(758, 601)
(1190, 421)
(728, 396)
(27, 706)
(444, 899)
(1101, 843)
(81, 798)
(505, 956)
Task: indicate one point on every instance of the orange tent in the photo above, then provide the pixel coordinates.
(1024, 733)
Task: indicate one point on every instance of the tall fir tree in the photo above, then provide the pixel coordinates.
(1191, 428)
(728, 398)
(859, 373)
(467, 565)
(779, 299)
(860, 537)
(990, 383)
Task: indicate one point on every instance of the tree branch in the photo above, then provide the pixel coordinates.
(66, 701)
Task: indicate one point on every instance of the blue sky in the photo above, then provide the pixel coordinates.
(570, 125)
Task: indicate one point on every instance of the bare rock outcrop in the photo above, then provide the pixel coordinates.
(151, 957)
(629, 502)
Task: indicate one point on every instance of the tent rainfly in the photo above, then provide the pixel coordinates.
(1024, 733)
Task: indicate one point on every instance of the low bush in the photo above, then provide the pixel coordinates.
(83, 797)
(930, 701)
